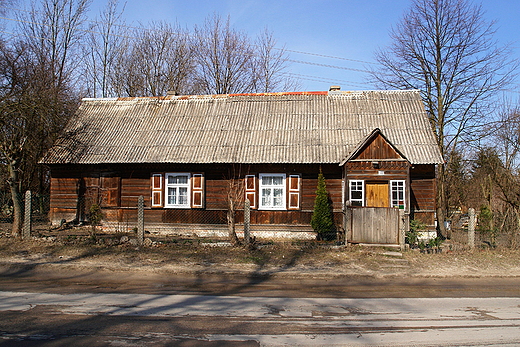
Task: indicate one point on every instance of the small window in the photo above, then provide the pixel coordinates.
(272, 191)
(397, 194)
(357, 193)
(177, 190)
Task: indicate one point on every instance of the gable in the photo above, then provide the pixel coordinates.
(377, 147)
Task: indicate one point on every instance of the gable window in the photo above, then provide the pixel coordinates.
(357, 193)
(272, 191)
(397, 194)
(177, 190)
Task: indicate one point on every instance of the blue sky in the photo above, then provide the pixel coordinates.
(349, 29)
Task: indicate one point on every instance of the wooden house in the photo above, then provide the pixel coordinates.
(187, 154)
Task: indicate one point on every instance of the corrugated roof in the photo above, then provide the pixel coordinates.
(308, 127)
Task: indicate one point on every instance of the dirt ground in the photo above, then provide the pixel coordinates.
(176, 254)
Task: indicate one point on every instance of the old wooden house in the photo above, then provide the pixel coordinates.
(188, 154)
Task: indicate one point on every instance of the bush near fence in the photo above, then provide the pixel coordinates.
(217, 224)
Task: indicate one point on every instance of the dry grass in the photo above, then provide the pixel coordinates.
(197, 254)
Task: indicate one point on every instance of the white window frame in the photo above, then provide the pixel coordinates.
(168, 185)
(398, 186)
(271, 188)
(357, 184)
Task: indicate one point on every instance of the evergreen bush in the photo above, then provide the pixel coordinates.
(322, 220)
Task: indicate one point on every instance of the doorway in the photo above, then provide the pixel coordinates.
(377, 195)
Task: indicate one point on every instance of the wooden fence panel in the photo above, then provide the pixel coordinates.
(373, 225)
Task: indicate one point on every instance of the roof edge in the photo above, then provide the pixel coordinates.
(223, 96)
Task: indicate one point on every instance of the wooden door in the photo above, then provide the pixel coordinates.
(377, 195)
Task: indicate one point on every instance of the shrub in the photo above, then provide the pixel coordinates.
(322, 220)
(95, 217)
(412, 236)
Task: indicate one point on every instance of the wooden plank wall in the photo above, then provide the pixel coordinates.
(378, 148)
(64, 199)
(124, 186)
(365, 170)
(423, 193)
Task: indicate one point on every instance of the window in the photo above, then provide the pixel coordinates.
(357, 193)
(397, 194)
(177, 190)
(272, 191)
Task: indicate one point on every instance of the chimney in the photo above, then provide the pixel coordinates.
(334, 88)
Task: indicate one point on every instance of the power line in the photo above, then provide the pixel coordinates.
(327, 65)
(325, 80)
(325, 56)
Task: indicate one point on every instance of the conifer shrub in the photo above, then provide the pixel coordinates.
(322, 220)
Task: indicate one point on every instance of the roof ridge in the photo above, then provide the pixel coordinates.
(223, 96)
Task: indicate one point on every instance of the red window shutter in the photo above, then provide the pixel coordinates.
(157, 190)
(250, 189)
(197, 190)
(293, 184)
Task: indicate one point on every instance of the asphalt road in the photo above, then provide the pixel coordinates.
(96, 307)
(99, 280)
(98, 319)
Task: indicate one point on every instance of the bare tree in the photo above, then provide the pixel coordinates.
(36, 94)
(33, 111)
(52, 35)
(164, 57)
(447, 50)
(124, 80)
(154, 61)
(506, 135)
(271, 66)
(225, 58)
(105, 36)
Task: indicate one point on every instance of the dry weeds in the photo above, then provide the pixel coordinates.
(181, 254)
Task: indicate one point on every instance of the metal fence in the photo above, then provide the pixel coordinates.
(39, 217)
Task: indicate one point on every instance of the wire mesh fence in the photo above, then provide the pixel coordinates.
(203, 222)
(40, 207)
(83, 212)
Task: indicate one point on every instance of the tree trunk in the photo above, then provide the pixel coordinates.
(16, 195)
(231, 222)
(441, 204)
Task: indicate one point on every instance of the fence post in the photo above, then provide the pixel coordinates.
(404, 224)
(247, 222)
(347, 223)
(471, 228)
(26, 231)
(140, 220)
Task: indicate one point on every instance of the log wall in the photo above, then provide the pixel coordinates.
(117, 188)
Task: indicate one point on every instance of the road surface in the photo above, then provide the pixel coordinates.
(41, 306)
(158, 320)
